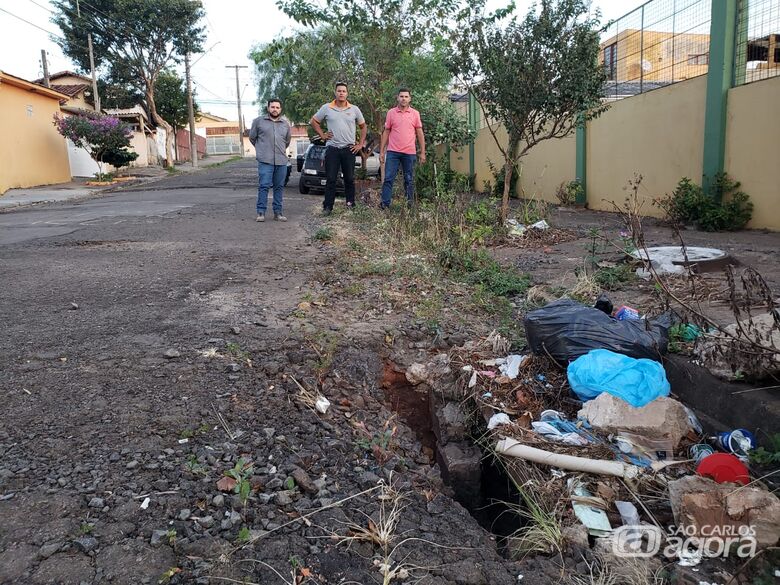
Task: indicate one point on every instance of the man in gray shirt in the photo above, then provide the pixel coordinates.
(341, 118)
(270, 135)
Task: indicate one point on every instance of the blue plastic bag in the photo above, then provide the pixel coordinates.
(637, 381)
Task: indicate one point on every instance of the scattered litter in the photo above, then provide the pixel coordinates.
(552, 433)
(693, 421)
(604, 305)
(322, 404)
(183, 441)
(637, 381)
(628, 513)
(487, 395)
(626, 313)
(74, 306)
(512, 366)
(700, 451)
(594, 519)
(467, 368)
(515, 228)
(739, 442)
(548, 415)
(26, 391)
(565, 330)
(540, 225)
(473, 380)
(514, 448)
(145, 503)
(723, 468)
(498, 419)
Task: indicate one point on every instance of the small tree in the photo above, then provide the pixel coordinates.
(540, 77)
(103, 137)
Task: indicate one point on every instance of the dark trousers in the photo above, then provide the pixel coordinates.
(335, 159)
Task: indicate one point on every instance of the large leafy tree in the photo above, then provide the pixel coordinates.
(134, 40)
(373, 45)
(538, 77)
(170, 95)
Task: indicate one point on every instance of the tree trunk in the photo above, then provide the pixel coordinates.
(157, 119)
(509, 166)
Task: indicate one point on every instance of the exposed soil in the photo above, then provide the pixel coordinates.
(180, 360)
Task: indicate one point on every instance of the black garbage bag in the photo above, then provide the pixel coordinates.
(566, 329)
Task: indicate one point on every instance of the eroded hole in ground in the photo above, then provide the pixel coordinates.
(479, 484)
(412, 406)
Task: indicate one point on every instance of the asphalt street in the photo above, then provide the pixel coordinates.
(231, 185)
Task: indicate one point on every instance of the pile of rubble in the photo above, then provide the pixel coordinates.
(634, 467)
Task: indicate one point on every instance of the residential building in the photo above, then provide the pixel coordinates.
(147, 141)
(221, 135)
(32, 152)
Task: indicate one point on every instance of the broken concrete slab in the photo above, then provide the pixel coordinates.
(731, 355)
(448, 420)
(662, 419)
(699, 504)
(431, 372)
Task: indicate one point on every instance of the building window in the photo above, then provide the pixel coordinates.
(610, 61)
(701, 59)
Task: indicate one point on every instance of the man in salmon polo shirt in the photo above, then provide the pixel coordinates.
(398, 149)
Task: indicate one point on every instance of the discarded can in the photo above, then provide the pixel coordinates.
(551, 415)
(738, 442)
(700, 451)
(625, 313)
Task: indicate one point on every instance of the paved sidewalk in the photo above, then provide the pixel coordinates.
(78, 189)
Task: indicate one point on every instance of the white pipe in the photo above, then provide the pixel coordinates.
(513, 448)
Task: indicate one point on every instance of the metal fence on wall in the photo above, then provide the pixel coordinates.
(659, 43)
(758, 41)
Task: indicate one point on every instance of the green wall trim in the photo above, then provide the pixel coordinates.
(581, 164)
(720, 77)
(473, 125)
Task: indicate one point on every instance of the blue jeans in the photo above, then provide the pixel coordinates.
(270, 176)
(393, 160)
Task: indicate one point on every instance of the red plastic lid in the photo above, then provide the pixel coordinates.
(723, 468)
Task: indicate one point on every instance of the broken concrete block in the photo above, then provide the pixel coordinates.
(662, 419)
(702, 504)
(461, 468)
(435, 370)
(448, 420)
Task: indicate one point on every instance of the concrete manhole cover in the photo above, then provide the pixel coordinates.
(672, 259)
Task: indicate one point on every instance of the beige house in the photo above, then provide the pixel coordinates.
(32, 152)
(145, 140)
(221, 135)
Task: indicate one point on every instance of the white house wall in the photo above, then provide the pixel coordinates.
(81, 164)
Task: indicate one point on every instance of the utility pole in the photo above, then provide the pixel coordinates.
(191, 113)
(95, 95)
(46, 81)
(238, 101)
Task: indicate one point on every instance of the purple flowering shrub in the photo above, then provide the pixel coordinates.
(105, 138)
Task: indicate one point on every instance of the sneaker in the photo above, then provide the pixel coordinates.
(327, 212)
(279, 217)
(260, 217)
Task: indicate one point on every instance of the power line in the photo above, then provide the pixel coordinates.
(46, 8)
(33, 24)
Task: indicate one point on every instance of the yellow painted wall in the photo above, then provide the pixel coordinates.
(543, 169)
(658, 134)
(753, 148)
(32, 152)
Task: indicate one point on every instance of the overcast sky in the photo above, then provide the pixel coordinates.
(233, 27)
